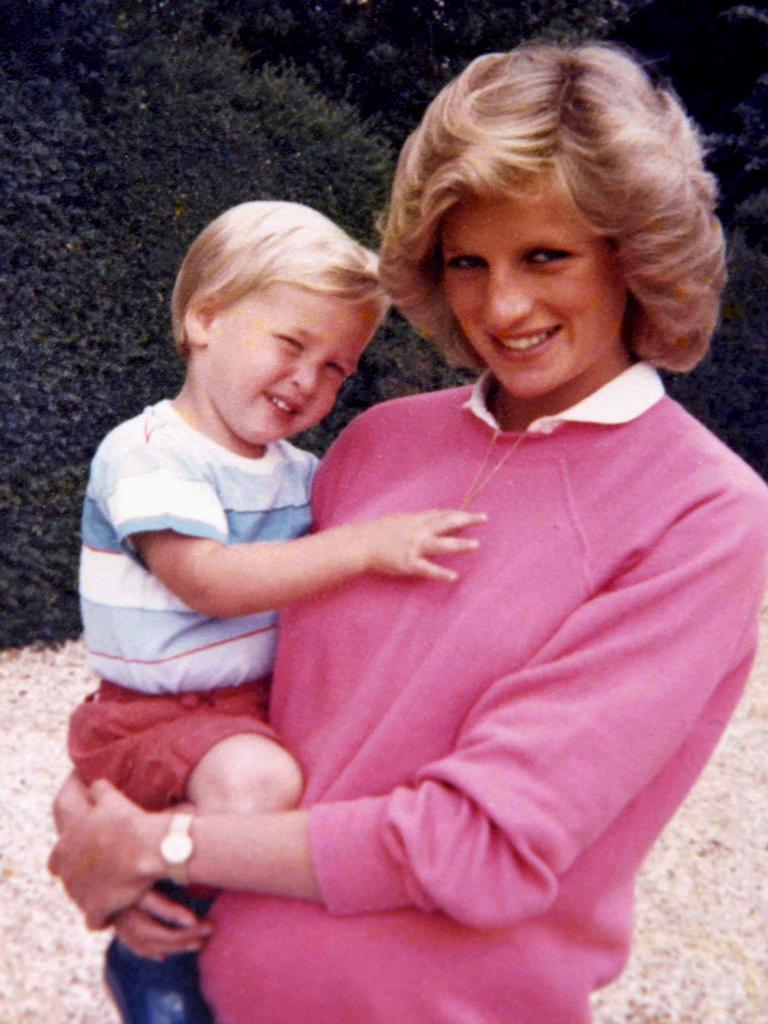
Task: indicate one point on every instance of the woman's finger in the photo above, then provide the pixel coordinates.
(146, 936)
(101, 791)
(166, 910)
(70, 802)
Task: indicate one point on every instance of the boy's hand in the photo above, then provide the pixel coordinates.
(402, 545)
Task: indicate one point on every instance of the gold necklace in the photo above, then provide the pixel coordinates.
(480, 482)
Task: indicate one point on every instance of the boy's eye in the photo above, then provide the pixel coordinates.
(291, 343)
(340, 370)
(544, 256)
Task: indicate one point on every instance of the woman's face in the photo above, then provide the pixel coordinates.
(539, 297)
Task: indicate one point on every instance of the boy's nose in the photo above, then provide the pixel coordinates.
(304, 378)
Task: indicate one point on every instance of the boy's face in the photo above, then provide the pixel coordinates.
(271, 364)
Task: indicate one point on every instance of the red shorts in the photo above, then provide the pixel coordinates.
(147, 745)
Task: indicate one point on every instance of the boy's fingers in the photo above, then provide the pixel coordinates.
(434, 572)
(451, 545)
(450, 519)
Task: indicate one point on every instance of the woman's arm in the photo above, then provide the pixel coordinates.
(155, 926)
(108, 855)
(588, 749)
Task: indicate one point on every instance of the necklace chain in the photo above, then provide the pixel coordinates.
(480, 482)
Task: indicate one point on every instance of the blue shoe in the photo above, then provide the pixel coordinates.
(157, 991)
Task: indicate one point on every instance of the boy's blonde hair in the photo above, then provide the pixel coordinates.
(256, 244)
(589, 119)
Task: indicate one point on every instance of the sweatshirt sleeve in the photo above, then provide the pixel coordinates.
(646, 671)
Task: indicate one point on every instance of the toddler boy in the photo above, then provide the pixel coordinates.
(194, 533)
(196, 513)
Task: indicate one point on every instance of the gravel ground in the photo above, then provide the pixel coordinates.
(700, 956)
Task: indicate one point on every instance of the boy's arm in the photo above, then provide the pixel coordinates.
(225, 581)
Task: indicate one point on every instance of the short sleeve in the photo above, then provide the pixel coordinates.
(136, 487)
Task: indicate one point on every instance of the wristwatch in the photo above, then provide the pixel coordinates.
(176, 847)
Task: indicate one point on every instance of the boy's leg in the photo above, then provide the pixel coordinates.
(247, 772)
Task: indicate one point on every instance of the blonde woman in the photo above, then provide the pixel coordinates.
(485, 771)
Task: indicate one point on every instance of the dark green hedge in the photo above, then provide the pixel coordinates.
(729, 389)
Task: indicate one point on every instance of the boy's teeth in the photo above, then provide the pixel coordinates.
(521, 344)
(280, 403)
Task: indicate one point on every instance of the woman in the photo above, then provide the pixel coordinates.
(487, 769)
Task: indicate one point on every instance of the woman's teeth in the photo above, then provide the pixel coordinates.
(529, 341)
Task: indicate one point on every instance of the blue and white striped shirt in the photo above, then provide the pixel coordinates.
(154, 472)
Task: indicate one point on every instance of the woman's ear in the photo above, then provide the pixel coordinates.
(198, 322)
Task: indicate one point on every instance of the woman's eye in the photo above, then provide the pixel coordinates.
(544, 256)
(463, 263)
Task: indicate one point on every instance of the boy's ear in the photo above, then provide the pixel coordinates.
(198, 322)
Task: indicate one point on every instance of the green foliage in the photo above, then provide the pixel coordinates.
(714, 53)
(387, 57)
(39, 543)
(70, 41)
(729, 390)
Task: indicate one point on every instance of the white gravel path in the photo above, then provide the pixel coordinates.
(701, 953)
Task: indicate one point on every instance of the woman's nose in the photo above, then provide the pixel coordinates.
(507, 301)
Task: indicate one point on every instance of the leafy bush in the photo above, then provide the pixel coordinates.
(727, 391)
(39, 542)
(387, 57)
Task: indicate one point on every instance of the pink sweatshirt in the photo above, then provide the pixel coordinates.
(489, 761)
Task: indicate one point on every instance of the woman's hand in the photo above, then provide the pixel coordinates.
(108, 853)
(70, 802)
(157, 927)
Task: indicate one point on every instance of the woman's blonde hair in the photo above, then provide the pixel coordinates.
(256, 244)
(589, 119)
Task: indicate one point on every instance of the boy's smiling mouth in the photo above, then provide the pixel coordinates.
(281, 404)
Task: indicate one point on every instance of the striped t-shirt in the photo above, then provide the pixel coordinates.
(154, 472)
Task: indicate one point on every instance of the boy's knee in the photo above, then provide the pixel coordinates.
(273, 783)
(246, 773)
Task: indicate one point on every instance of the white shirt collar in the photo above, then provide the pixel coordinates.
(622, 399)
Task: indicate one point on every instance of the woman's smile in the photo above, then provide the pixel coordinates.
(527, 342)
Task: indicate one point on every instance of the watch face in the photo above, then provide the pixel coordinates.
(176, 848)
